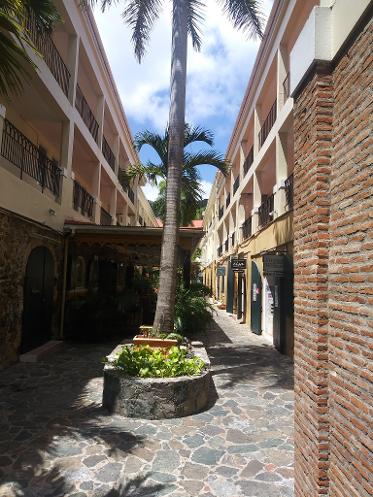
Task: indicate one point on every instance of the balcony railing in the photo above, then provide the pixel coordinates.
(105, 218)
(226, 244)
(227, 200)
(84, 110)
(246, 228)
(268, 124)
(131, 194)
(220, 251)
(233, 238)
(108, 153)
(289, 189)
(83, 202)
(286, 87)
(266, 211)
(221, 212)
(236, 184)
(248, 161)
(140, 220)
(44, 44)
(30, 159)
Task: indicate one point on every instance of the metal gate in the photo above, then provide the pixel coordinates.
(256, 300)
(38, 299)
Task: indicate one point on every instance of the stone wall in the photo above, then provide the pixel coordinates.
(333, 253)
(18, 236)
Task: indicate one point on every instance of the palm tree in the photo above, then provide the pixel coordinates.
(186, 19)
(191, 193)
(14, 38)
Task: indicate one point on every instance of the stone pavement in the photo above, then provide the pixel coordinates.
(56, 440)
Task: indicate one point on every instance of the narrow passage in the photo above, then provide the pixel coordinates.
(56, 441)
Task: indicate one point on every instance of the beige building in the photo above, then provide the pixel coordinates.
(64, 146)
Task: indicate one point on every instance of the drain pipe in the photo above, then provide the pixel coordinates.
(64, 285)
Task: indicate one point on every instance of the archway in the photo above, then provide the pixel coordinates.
(38, 299)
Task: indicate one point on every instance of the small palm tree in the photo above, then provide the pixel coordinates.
(186, 20)
(191, 193)
(14, 38)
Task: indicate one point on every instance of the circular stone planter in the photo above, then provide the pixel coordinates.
(156, 398)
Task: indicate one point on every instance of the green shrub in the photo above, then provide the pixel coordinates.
(146, 362)
(192, 310)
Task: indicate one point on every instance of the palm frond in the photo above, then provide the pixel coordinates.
(245, 15)
(208, 158)
(197, 134)
(158, 143)
(140, 16)
(195, 18)
(44, 11)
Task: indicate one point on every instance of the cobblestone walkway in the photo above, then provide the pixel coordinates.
(55, 439)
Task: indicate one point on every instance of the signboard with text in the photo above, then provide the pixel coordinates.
(238, 264)
(274, 265)
(220, 271)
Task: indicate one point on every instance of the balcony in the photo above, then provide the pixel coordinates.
(248, 161)
(236, 184)
(226, 244)
(266, 211)
(131, 194)
(246, 228)
(105, 218)
(30, 159)
(108, 154)
(84, 110)
(221, 211)
(220, 251)
(268, 124)
(140, 221)
(83, 202)
(227, 200)
(44, 44)
(289, 189)
(233, 238)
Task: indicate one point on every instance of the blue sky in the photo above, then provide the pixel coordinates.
(217, 76)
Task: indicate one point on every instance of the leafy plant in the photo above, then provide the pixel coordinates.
(192, 309)
(146, 362)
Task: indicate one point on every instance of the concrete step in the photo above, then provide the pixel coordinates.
(35, 355)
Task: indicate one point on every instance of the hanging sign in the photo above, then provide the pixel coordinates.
(220, 271)
(274, 265)
(238, 264)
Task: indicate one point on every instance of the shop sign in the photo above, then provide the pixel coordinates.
(238, 264)
(274, 265)
(220, 271)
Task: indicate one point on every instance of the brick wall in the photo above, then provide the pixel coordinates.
(18, 237)
(333, 268)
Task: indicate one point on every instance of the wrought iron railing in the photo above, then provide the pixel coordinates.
(246, 228)
(220, 250)
(131, 194)
(228, 200)
(268, 124)
(286, 87)
(266, 210)
(226, 244)
(248, 161)
(233, 238)
(289, 191)
(221, 211)
(45, 45)
(140, 220)
(105, 218)
(108, 153)
(236, 184)
(84, 110)
(83, 202)
(30, 159)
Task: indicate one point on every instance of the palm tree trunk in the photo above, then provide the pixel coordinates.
(164, 315)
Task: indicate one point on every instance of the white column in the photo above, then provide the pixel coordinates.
(73, 65)
(257, 200)
(281, 75)
(97, 193)
(256, 129)
(100, 116)
(116, 153)
(281, 175)
(113, 206)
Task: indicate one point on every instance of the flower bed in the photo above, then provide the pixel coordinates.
(141, 396)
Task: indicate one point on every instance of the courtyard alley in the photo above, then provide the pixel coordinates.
(56, 440)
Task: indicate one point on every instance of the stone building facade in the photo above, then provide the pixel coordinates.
(19, 237)
(333, 271)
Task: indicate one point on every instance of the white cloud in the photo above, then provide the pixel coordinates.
(206, 188)
(150, 191)
(216, 75)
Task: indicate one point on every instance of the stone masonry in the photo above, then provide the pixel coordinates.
(333, 253)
